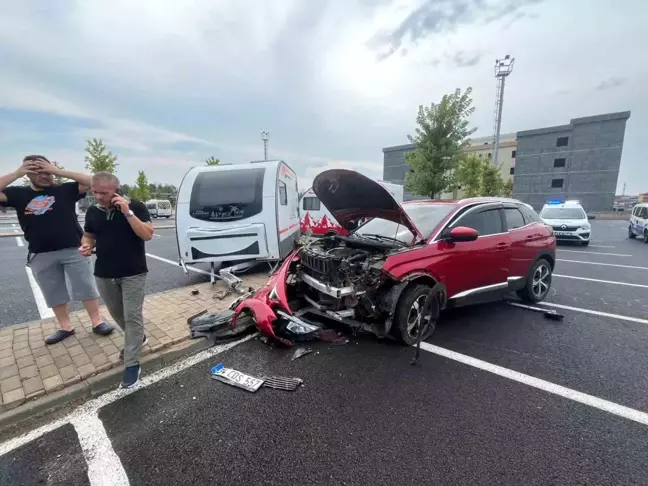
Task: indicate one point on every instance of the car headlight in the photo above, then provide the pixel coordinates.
(586, 226)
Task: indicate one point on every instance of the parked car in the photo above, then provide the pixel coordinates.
(159, 208)
(568, 220)
(379, 276)
(639, 222)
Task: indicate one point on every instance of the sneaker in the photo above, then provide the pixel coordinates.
(103, 329)
(131, 375)
(58, 336)
(121, 351)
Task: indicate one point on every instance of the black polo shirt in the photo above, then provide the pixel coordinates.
(120, 252)
(47, 217)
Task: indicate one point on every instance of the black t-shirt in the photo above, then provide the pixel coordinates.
(120, 252)
(48, 217)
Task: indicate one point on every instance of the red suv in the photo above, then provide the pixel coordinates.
(378, 277)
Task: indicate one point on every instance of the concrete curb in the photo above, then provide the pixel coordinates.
(99, 384)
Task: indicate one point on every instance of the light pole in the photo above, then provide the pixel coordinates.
(265, 136)
(503, 67)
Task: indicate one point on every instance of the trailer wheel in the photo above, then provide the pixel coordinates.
(408, 314)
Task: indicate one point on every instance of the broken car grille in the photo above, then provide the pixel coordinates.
(321, 267)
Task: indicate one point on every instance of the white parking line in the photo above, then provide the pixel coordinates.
(601, 246)
(595, 253)
(19, 240)
(604, 264)
(601, 281)
(576, 396)
(175, 264)
(44, 311)
(597, 313)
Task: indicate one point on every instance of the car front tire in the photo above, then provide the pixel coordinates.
(645, 238)
(585, 243)
(407, 316)
(538, 282)
(631, 234)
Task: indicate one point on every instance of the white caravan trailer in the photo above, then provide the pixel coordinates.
(237, 213)
(316, 218)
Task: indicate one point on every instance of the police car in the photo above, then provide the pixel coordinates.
(639, 222)
(568, 220)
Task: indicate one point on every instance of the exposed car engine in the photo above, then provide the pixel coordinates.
(343, 275)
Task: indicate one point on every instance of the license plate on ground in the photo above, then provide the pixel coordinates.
(236, 378)
(562, 233)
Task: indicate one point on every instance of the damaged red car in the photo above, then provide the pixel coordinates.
(379, 276)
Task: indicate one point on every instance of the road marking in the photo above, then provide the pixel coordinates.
(584, 398)
(104, 465)
(93, 406)
(597, 313)
(19, 240)
(171, 262)
(44, 311)
(601, 281)
(601, 246)
(604, 264)
(596, 253)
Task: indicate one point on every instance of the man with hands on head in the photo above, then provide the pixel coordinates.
(117, 230)
(47, 215)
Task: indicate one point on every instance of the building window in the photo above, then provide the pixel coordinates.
(481, 155)
(556, 182)
(513, 154)
(562, 141)
(559, 162)
(489, 155)
(512, 171)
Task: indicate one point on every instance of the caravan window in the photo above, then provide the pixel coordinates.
(283, 194)
(311, 204)
(227, 195)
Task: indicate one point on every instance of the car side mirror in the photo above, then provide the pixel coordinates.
(463, 233)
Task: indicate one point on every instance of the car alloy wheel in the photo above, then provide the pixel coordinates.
(541, 281)
(414, 317)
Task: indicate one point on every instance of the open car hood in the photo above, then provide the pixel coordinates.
(351, 196)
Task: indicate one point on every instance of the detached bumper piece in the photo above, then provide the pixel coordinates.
(218, 326)
(282, 383)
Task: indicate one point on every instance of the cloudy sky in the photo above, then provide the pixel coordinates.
(168, 83)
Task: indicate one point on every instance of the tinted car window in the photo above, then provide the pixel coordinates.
(563, 213)
(514, 218)
(530, 216)
(486, 222)
(227, 195)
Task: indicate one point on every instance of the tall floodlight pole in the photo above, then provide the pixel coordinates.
(503, 67)
(265, 136)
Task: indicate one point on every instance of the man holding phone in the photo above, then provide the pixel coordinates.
(117, 229)
(47, 215)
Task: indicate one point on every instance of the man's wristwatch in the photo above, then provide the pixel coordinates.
(130, 213)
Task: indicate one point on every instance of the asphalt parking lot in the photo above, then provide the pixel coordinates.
(501, 396)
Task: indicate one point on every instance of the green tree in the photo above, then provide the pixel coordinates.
(441, 135)
(492, 182)
(468, 175)
(125, 189)
(140, 190)
(212, 161)
(99, 158)
(507, 188)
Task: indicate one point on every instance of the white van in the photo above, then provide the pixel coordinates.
(237, 213)
(568, 220)
(639, 222)
(316, 218)
(159, 208)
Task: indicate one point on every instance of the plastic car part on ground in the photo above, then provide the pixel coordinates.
(299, 352)
(218, 326)
(282, 382)
(548, 313)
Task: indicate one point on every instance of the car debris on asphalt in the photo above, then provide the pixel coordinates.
(548, 313)
(236, 378)
(218, 326)
(282, 383)
(299, 352)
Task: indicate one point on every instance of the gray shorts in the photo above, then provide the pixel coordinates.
(50, 270)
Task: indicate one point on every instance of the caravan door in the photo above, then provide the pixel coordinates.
(287, 211)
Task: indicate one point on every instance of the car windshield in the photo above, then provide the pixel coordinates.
(426, 217)
(563, 213)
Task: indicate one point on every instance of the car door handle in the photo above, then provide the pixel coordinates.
(502, 245)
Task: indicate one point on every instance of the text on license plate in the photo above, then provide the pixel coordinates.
(239, 378)
(562, 233)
